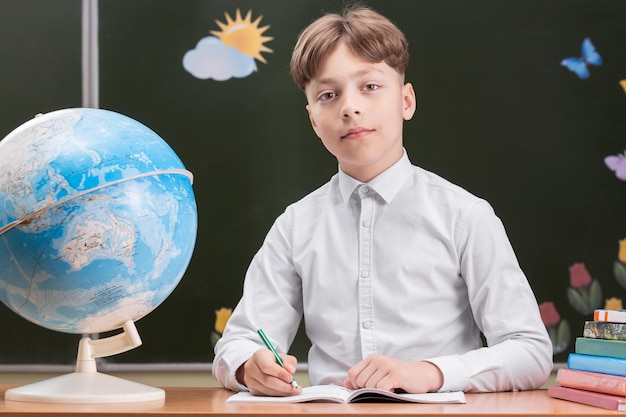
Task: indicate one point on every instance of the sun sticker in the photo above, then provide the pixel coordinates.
(244, 35)
(231, 52)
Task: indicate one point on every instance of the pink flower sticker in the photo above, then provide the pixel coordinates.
(549, 315)
(579, 276)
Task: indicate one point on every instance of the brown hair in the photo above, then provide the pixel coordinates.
(369, 35)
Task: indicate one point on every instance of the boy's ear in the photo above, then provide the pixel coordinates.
(409, 101)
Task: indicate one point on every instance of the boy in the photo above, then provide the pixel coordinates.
(395, 270)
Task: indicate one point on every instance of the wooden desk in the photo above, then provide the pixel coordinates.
(210, 402)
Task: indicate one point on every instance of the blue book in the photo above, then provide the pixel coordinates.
(600, 364)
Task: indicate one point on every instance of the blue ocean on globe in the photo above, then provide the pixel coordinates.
(98, 220)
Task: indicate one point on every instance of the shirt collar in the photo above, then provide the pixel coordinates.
(386, 184)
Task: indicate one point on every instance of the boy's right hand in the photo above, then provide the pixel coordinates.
(263, 376)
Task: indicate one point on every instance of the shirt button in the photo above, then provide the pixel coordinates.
(365, 190)
(367, 324)
(367, 223)
(365, 274)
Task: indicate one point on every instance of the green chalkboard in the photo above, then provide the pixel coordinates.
(497, 114)
(40, 71)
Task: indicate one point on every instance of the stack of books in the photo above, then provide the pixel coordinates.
(596, 371)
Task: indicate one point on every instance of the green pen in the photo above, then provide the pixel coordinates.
(279, 361)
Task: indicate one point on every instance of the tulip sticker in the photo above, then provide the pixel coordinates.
(558, 329)
(619, 266)
(584, 293)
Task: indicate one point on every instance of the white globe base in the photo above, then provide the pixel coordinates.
(85, 387)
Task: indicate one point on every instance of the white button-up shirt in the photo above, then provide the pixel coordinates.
(409, 266)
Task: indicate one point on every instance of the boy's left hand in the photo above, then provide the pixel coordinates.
(391, 374)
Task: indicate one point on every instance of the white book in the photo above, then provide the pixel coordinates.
(339, 394)
(615, 316)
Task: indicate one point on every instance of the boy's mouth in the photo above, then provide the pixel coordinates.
(356, 133)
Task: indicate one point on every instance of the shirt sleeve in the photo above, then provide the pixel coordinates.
(271, 300)
(518, 355)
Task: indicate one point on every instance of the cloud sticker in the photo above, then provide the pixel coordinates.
(212, 59)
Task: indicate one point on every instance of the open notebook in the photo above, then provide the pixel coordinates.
(338, 394)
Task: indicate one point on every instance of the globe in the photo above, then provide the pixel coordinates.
(98, 223)
(98, 220)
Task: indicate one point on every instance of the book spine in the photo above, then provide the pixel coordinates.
(596, 399)
(601, 347)
(616, 316)
(591, 381)
(605, 330)
(601, 364)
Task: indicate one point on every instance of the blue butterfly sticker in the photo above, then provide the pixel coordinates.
(580, 66)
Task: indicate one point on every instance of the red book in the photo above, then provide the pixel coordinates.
(592, 381)
(596, 399)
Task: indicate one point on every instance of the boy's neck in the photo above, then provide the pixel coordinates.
(368, 173)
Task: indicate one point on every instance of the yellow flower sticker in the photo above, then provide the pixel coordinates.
(221, 318)
(613, 304)
(622, 251)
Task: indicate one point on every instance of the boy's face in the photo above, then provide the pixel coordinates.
(357, 109)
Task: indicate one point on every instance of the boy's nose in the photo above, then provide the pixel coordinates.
(349, 107)
(349, 110)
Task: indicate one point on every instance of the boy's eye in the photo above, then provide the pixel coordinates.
(327, 96)
(370, 87)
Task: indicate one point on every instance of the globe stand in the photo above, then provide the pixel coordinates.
(86, 384)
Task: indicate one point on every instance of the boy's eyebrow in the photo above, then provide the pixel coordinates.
(359, 73)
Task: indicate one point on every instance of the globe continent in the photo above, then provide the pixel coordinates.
(98, 220)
